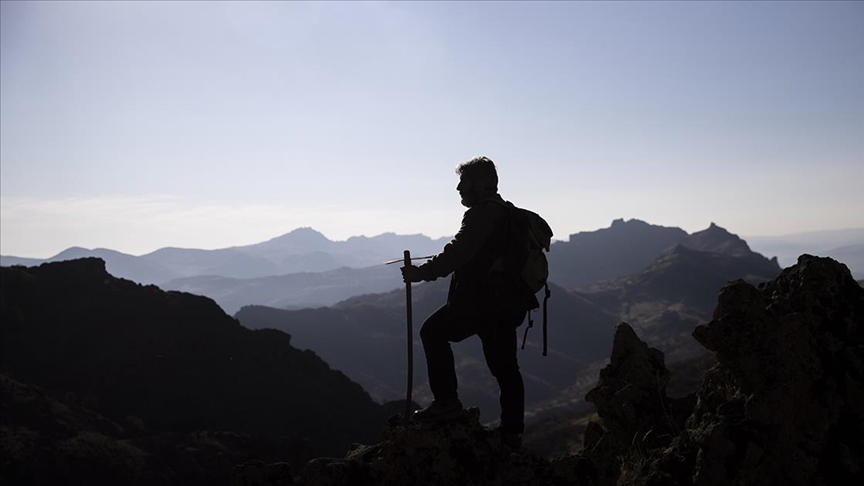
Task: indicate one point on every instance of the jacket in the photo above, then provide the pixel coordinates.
(475, 257)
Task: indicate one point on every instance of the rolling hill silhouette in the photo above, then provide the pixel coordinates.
(173, 361)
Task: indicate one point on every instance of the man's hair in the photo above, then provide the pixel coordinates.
(480, 169)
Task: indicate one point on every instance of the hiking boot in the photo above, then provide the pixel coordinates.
(440, 410)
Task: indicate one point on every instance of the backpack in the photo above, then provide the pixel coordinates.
(530, 236)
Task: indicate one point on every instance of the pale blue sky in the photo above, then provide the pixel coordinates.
(135, 126)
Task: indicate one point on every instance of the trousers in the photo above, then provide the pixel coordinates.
(497, 333)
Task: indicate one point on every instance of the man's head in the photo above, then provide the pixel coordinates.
(478, 179)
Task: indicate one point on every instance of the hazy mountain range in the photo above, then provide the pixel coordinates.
(626, 247)
(305, 269)
(303, 250)
(844, 245)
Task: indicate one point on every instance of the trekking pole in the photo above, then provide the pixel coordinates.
(410, 341)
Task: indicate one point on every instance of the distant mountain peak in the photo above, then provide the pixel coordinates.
(305, 231)
(717, 239)
(627, 228)
(620, 222)
(71, 252)
(305, 236)
(715, 230)
(714, 227)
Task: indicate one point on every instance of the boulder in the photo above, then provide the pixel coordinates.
(784, 404)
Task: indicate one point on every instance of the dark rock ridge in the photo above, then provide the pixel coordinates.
(784, 405)
(173, 361)
(622, 249)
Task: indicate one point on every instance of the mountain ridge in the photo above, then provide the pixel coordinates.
(627, 247)
(177, 361)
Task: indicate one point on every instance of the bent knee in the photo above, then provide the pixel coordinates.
(432, 330)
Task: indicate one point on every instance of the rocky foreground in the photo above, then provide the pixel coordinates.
(784, 405)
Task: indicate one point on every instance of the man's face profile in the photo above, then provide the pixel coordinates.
(467, 190)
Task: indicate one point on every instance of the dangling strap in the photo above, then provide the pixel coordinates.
(529, 326)
(545, 300)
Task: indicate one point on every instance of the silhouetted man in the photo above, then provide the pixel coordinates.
(482, 300)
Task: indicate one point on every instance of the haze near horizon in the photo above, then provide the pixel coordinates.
(136, 126)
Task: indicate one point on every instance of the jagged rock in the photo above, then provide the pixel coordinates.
(629, 386)
(631, 399)
(785, 404)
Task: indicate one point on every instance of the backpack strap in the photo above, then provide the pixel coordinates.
(545, 300)
(548, 293)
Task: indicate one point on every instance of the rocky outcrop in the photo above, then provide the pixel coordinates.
(631, 399)
(785, 404)
(461, 452)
